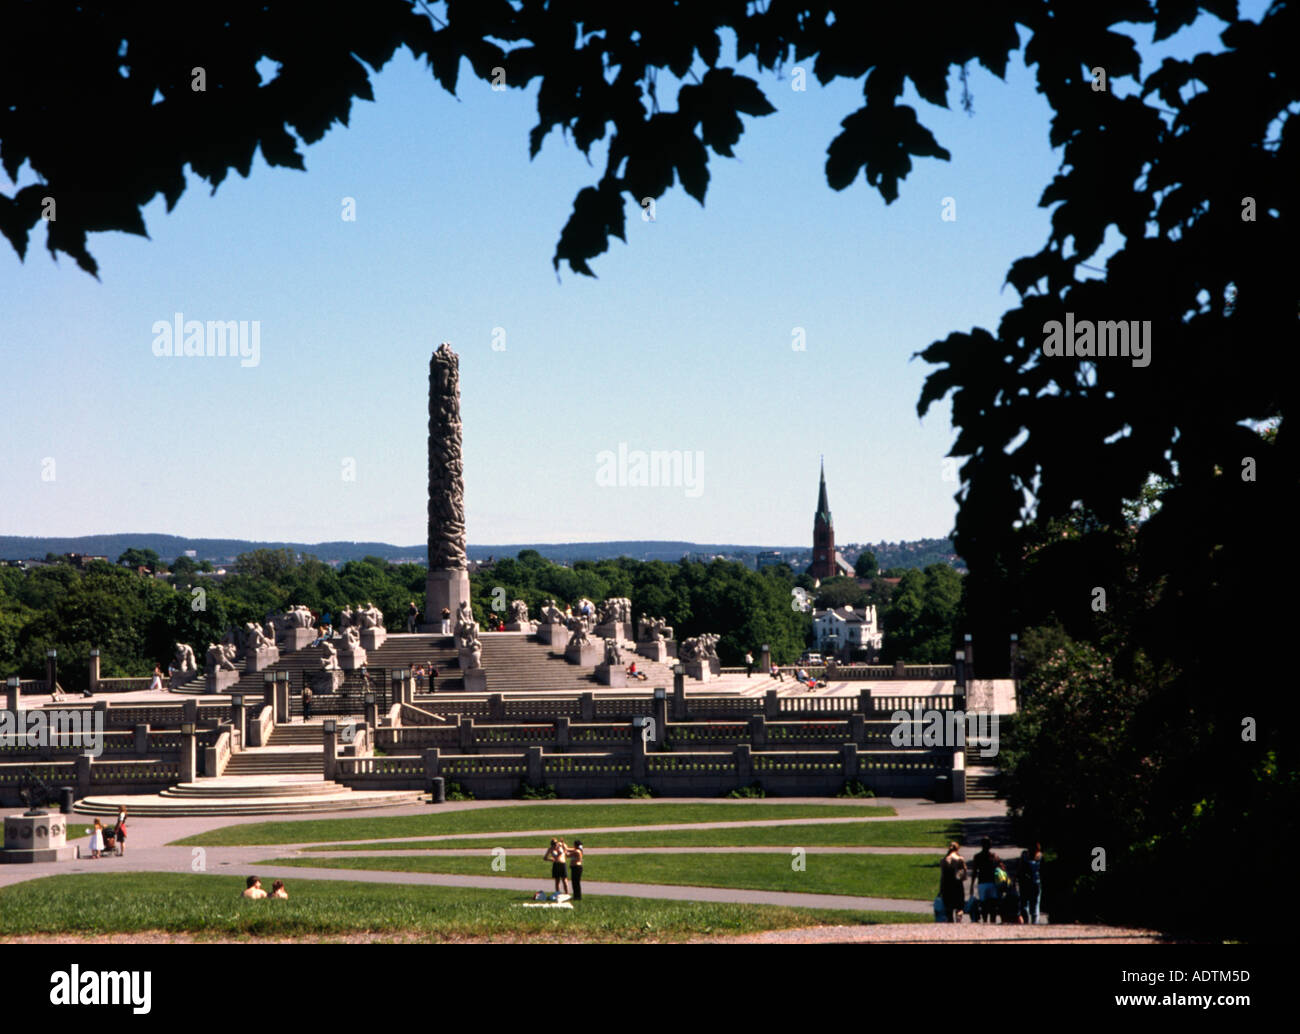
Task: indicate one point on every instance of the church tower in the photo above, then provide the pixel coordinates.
(823, 562)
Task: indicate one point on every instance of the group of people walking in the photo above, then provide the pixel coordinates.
(565, 861)
(993, 892)
(111, 840)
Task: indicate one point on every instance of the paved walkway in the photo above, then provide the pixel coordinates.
(148, 851)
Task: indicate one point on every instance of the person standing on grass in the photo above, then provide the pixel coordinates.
(1029, 879)
(982, 876)
(556, 856)
(952, 871)
(575, 867)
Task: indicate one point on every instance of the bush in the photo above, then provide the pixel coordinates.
(855, 788)
(528, 792)
(752, 790)
(456, 792)
(636, 790)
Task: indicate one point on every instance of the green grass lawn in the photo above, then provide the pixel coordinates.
(211, 906)
(914, 877)
(519, 817)
(909, 833)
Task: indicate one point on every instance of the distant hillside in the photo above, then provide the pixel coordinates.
(17, 547)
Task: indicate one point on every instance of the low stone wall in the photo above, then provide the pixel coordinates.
(675, 774)
(88, 776)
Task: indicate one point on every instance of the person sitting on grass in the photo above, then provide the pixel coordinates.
(278, 891)
(254, 888)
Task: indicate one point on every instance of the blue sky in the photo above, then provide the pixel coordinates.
(684, 342)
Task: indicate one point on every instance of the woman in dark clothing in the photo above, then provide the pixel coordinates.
(575, 867)
(952, 875)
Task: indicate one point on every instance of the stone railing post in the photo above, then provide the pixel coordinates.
(497, 707)
(83, 774)
(13, 694)
(765, 659)
(744, 764)
(283, 712)
(189, 754)
(679, 699)
(465, 729)
(562, 731)
(141, 740)
(331, 749)
(959, 776)
(771, 704)
(534, 755)
(189, 710)
(660, 714)
(638, 752)
(858, 727)
(94, 671)
(372, 711)
(849, 752)
(864, 702)
(587, 707)
(900, 671)
(239, 720)
(758, 730)
(430, 762)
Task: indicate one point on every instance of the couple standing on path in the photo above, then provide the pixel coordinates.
(558, 854)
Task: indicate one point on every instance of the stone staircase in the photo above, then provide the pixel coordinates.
(981, 781)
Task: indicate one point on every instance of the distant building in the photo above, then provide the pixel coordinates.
(769, 558)
(848, 633)
(826, 562)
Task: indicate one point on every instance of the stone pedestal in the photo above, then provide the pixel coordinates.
(475, 680)
(325, 681)
(465, 658)
(519, 626)
(184, 678)
(36, 838)
(219, 680)
(555, 634)
(715, 666)
(699, 670)
(587, 655)
(297, 638)
(672, 647)
(653, 651)
(351, 660)
(258, 660)
(619, 630)
(444, 589)
(611, 675)
(373, 638)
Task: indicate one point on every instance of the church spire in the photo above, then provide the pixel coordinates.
(823, 507)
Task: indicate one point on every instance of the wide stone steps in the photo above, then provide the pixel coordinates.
(228, 787)
(263, 760)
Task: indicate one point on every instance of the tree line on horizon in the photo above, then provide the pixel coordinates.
(135, 619)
